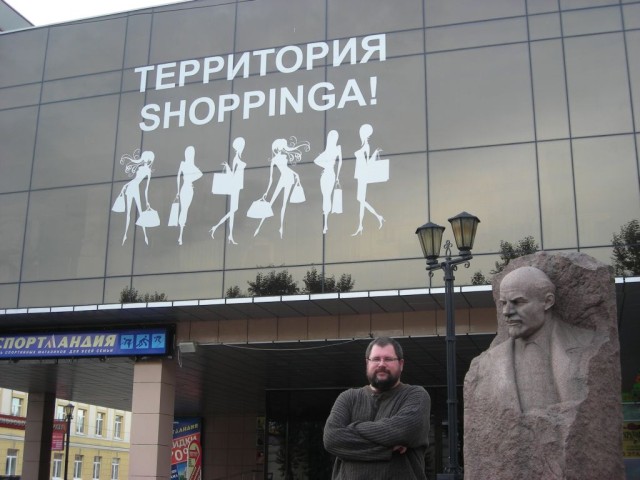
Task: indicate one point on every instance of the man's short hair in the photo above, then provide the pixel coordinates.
(383, 342)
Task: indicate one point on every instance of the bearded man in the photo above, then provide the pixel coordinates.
(380, 431)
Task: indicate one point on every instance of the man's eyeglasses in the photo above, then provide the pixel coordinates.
(382, 359)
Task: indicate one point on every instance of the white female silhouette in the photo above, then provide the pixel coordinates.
(283, 154)
(190, 173)
(363, 158)
(139, 167)
(237, 183)
(329, 178)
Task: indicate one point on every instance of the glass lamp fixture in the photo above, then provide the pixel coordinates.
(430, 237)
(68, 410)
(464, 227)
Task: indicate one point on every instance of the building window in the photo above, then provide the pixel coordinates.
(16, 406)
(60, 412)
(56, 472)
(115, 469)
(77, 467)
(12, 462)
(96, 468)
(99, 423)
(80, 419)
(117, 428)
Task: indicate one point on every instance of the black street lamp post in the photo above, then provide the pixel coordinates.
(68, 415)
(430, 235)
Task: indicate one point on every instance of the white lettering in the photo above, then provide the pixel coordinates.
(322, 50)
(223, 106)
(211, 65)
(176, 113)
(329, 100)
(155, 119)
(243, 63)
(161, 75)
(250, 104)
(211, 110)
(188, 69)
(352, 93)
(262, 54)
(143, 77)
(297, 52)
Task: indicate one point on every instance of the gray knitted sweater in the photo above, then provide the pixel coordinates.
(363, 427)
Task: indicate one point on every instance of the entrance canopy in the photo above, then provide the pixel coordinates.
(235, 377)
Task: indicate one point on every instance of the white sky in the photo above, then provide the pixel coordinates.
(46, 12)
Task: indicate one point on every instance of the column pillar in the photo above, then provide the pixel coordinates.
(37, 436)
(152, 419)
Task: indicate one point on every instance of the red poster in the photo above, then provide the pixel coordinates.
(57, 438)
(186, 452)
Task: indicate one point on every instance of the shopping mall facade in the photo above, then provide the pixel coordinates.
(524, 113)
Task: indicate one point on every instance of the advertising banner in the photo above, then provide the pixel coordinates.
(57, 437)
(109, 343)
(186, 451)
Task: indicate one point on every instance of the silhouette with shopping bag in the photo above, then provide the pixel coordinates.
(288, 183)
(137, 166)
(369, 169)
(230, 182)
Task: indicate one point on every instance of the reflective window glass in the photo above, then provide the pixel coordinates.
(544, 26)
(607, 195)
(66, 231)
(9, 296)
(500, 188)
(398, 114)
(85, 47)
(180, 286)
(442, 12)
(79, 87)
(571, 4)
(164, 251)
(633, 55)
(64, 156)
(401, 202)
(22, 56)
(13, 209)
(591, 21)
(476, 34)
(541, 6)
(192, 33)
(138, 36)
(631, 16)
(308, 16)
(557, 196)
(387, 274)
(293, 235)
(360, 17)
(472, 102)
(20, 96)
(598, 85)
(61, 293)
(17, 134)
(552, 119)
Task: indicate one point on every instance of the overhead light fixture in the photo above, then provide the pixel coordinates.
(187, 347)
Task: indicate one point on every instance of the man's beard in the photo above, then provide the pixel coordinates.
(383, 384)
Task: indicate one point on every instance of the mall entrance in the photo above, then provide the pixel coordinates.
(293, 433)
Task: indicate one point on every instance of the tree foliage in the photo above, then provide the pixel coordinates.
(273, 283)
(282, 283)
(508, 251)
(234, 292)
(131, 295)
(316, 282)
(626, 249)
